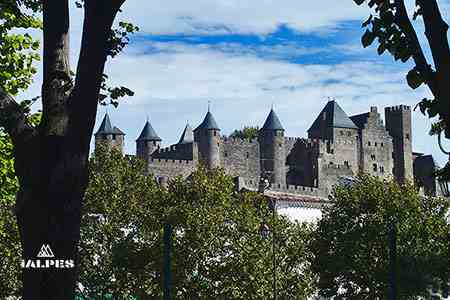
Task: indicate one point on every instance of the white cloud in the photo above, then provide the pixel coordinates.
(250, 16)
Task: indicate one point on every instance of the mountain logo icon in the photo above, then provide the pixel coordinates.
(45, 251)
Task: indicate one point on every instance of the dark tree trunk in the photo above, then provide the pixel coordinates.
(51, 161)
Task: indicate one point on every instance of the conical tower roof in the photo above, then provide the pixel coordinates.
(105, 126)
(208, 123)
(272, 122)
(187, 136)
(333, 116)
(148, 133)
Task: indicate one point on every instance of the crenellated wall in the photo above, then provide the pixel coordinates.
(171, 168)
(240, 157)
(178, 151)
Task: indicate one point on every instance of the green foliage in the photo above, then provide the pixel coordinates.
(9, 238)
(218, 252)
(10, 248)
(248, 132)
(18, 50)
(351, 242)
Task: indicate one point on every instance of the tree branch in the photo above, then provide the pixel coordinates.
(57, 83)
(99, 17)
(13, 119)
(436, 33)
(402, 20)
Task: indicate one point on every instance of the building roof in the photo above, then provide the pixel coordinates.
(360, 120)
(334, 117)
(272, 122)
(105, 126)
(117, 131)
(187, 136)
(208, 123)
(148, 133)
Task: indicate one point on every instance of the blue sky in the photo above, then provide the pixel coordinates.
(244, 56)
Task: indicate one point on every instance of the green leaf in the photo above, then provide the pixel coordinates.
(414, 79)
(367, 38)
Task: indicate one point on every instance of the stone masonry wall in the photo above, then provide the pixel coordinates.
(240, 157)
(375, 147)
(171, 168)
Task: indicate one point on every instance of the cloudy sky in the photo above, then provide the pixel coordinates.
(244, 56)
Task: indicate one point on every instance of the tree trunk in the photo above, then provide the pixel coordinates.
(51, 161)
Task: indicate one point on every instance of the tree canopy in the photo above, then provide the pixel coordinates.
(218, 251)
(350, 245)
(247, 132)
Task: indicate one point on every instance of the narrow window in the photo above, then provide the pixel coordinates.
(114, 137)
(368, 143)
(246, 155)
(215, 133)
(376, 144)
(349, 133)
(342, 133)
(375, 168)
(381, 144)
(225, 154)
(407, 136)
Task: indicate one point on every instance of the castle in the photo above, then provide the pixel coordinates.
(337, 148)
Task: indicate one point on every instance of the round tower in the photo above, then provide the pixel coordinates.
(272, 150)
(147, 142)
(207, 136)
(110, 136)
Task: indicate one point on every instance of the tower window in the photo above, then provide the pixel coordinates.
(381, 144)
(215, 133)
(281, 145)
(114, 137)
(225, 154)
(349, 133)
(246, 155)
(407, 136)
(375, 167)
(381, 169)
(376, 144)
(342, 133)
(368, 143)
(372, 157)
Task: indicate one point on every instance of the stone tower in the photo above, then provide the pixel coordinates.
(332, 124)
(147, 142)
(398, 124)
(272, 150)
(109, 135)
(207, 136)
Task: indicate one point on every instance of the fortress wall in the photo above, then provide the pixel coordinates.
(171, 168)
(302, 162)
(341, 151)
(376, 147)
(300, 190)
(330, 173)
(177, 152)
(240, 157)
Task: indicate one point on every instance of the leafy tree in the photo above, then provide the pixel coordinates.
(218, 251)
(51, 159)
(248, 132)
(10, 284)
(351, 241)
(393, 29)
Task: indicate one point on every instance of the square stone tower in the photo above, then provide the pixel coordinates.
(398, 124)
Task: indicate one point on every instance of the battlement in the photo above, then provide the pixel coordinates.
(295, 189)
(398, 108)
(237, 140)
(171, 162)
